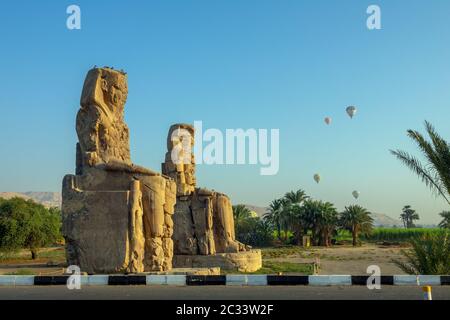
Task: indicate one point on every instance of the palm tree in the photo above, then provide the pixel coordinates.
(321, 217)
(435, 173)
(296, 197)
(357, 220)
(291, 202)
(241, 213)
(273, 215)
(408, 216)
(429, 254)
(445, 223)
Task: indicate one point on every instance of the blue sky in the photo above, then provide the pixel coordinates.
(235, 64)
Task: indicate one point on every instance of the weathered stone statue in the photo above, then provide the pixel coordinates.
(203, 220)
(117, 217)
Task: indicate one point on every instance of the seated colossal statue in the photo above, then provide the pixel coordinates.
(203, 219)
(117, 216)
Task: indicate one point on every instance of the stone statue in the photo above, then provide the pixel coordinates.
(117, 216)
(203, 219)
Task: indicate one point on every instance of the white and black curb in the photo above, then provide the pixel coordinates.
(229, 280)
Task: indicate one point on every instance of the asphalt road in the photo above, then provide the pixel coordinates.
(220, 293)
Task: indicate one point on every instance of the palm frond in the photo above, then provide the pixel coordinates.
(416, 166)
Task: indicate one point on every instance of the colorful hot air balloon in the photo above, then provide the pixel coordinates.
(317, 177)
(355, 194)
(351, 111)
(328, 120)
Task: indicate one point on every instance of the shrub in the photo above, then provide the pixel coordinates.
(430, 254)
(254, 232)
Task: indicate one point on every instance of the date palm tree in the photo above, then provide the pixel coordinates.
(322, 218)
(291, 203)
(357, 220)
(241, 213)
(408, 216)
(273, 215)
(429, 254)
(445, 223)
(435, 172)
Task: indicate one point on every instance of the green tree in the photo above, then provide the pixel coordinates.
(445, 223)
(322, 218)
(254, 232)
(291, 203)
(430, 254)
(357, 220)
(435, 172)
(240, 213)
(408, 216)
(26, 224)
(273, 216)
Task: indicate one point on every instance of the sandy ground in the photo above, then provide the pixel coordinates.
(333, 260)
(348, 259)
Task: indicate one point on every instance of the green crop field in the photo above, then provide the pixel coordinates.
(399, 234)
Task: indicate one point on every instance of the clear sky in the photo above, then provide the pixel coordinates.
(235, 64)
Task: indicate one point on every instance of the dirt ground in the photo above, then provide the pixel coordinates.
(340, 259)
(347, 259)
(50, 261)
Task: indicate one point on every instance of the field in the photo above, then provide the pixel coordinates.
(340, 259)
(399, 234)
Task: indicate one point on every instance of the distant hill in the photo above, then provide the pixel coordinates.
(48, 199)
(380, 219)
(260, 211)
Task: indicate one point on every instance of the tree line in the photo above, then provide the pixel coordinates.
(27, 224)
(296, 215)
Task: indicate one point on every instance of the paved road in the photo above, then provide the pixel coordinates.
(220, 293)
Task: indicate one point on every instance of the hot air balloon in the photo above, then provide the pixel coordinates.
(351, 111)
(317, 177)
(355, 194)
(327, 120)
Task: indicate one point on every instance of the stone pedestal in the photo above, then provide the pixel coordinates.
(245, 261)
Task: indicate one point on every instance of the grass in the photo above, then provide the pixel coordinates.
(272, 267)
(282, 252)
(399, 234)
(56, 254)
(344, 235)
(21, 272)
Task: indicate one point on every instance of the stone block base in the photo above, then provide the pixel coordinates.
(186, 271)
(245, 261)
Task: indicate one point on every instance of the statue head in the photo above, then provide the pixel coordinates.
(106, 88)
(180, 133)
(180, 143)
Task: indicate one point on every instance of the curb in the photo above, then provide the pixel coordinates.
(228, 280)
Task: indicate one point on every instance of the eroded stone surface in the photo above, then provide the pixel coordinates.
(203, 219)
(244, 261)
(117, 216)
